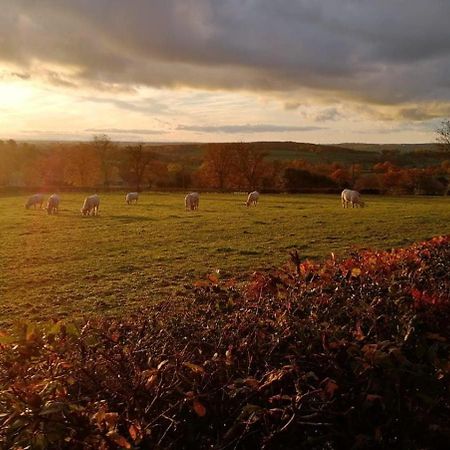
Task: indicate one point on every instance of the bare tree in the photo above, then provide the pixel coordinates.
(443, 138)
(443, 135)
(103, 147)
(138, 160)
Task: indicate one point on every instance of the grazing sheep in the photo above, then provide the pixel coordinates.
(132, 197)
(91, 205)
(53, 204)
(191, 201)
(353, 197)
(36, 199)
(252, 199)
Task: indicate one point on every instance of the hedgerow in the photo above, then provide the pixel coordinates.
(349, 353)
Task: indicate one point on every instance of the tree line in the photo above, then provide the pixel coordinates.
(104, 164)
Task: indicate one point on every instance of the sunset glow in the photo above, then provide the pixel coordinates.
(225, 72)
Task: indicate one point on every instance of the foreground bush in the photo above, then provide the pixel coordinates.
(344, 354)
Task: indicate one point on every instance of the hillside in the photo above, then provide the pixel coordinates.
(407, 155)
(404, 148)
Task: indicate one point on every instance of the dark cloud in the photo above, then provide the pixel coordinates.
(248, 128)
(386, 52)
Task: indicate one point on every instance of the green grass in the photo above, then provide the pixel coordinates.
(130, 256)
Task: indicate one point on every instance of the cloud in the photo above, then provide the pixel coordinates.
(146, 106)
(11, 75)
(328, 115)
(386, 52)
(124, 131)
(248, 128)
(56, 79)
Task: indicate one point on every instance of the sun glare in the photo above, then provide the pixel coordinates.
(13, 94)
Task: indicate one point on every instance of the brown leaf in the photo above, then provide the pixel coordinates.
(330, 387)
(194, 367)
(99, 416)
(275, 375)
(213, 278)
(251, 382)
(358, 333)
(151, 381)
(118, 439)
(111, 419)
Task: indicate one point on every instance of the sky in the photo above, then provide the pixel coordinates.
(322, 71)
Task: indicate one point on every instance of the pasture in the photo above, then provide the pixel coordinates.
(131, 255)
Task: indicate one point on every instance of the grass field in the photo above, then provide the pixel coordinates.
(129, 256)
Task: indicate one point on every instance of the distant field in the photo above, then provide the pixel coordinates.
(130, 256)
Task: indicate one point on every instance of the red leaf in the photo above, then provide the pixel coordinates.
(135, 431)
(199, 408)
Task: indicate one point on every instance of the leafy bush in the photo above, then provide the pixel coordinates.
(349, 353)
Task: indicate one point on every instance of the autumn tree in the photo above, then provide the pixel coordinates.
(52, 167)
(84, 167)
(29, 163)
(157, 173)
(342, 177)
(8, 154)
(249, 163)
(217, 166)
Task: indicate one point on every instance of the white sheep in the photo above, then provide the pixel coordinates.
(91, 205)
(132, 197)
(354, 197)
(252, 198)
(53, 204)
(36, 199)
(191, 201)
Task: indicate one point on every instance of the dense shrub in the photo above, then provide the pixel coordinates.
(298, 179)
(346, 354)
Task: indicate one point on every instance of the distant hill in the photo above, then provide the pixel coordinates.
(406, 155)
(391, 147)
